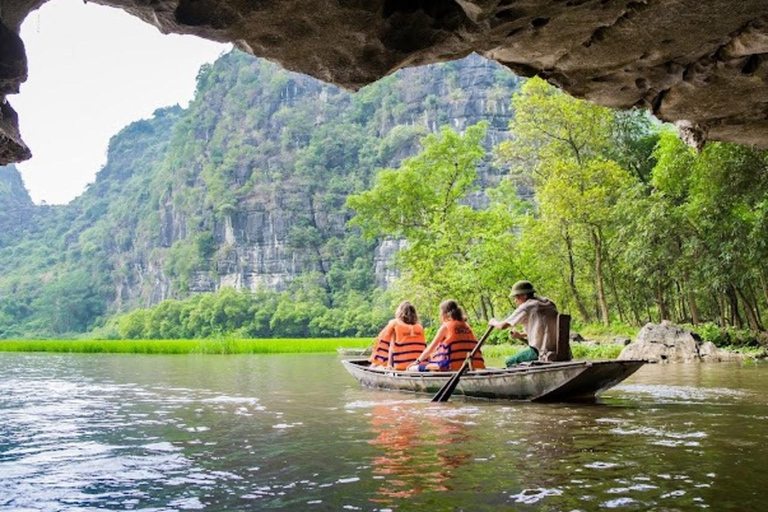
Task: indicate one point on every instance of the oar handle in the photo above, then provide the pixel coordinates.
(479, 344)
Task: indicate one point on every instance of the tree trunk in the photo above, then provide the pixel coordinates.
(572, 278)
(490, 306)
(483, 311)
(736, 320)
(660, 302)
(695, 317)
(681, 314)
(764, 285)
(599, 282)
(612, 281)
(721, 306)
(749, 311)
(755, 300)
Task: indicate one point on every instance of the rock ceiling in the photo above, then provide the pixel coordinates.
(700, 63)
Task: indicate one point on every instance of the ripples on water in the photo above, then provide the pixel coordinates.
(86, 432)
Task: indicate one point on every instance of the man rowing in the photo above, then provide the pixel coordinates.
(538, 317)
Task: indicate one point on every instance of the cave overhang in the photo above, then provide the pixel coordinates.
(699, 64)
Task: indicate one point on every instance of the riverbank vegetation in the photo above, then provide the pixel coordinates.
(495, 354)
(623, 225)
(300, 312)
(607, 213)
(225, 345)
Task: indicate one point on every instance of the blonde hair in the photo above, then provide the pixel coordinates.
(451, 309)
(406, 312)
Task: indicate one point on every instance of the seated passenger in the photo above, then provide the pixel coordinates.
(401, 341)
(452, 344)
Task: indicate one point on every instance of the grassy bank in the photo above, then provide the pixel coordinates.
(496, 354)
(201, 346)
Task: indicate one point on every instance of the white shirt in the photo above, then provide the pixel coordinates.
(538, 316)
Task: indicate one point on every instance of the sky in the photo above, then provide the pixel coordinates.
(92, 71)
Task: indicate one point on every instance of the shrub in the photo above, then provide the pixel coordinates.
(729, 336)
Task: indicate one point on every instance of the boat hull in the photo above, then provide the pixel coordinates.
(573, 380)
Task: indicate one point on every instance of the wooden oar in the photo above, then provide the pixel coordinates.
(447, 390)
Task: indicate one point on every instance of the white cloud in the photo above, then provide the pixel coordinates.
(93, 70)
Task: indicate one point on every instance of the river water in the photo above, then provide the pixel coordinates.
(295, 432)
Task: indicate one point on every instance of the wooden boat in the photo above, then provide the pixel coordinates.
(562, 381)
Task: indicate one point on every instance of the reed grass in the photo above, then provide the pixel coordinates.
(201, 346)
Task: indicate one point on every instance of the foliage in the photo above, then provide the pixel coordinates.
(298, 312)
(628, 225)
(608, 213)
(453, 249)
(260, 156)
(730, 337)
(638, 226)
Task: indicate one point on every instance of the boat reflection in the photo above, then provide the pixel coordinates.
(418, 452)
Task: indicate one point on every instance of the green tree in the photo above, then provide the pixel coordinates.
(449, 243)
(563, 148)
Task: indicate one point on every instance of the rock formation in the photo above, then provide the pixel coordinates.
(669, 343)
(246, 187)
(699, 63)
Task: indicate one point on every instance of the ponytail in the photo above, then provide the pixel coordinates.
(450, 308)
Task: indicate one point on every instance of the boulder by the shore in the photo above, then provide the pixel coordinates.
(621, 340)
(670, 343)
(709, 353)
(576, 337)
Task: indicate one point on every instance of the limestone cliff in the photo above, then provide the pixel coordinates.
(287, 217)
(246, 187)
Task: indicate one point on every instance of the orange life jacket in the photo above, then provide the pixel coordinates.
(458, 341)
(408, 343)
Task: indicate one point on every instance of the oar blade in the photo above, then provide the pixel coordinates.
(447, 390)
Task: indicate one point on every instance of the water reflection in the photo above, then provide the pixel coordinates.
(416, 451)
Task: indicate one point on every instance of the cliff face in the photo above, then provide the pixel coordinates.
(16, 207)
(269, 158)
(246, 187)
(278, 231)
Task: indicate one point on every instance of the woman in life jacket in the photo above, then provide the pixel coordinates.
(401, 341)
(452, 344)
